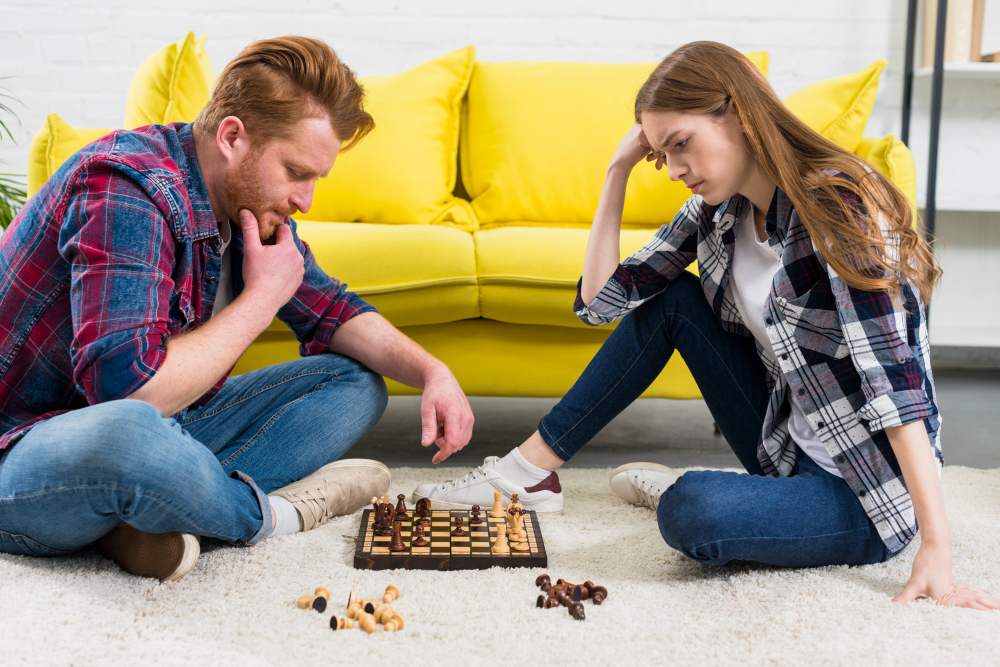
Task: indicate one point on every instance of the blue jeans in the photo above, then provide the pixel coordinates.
(808, 519)
(72, 478)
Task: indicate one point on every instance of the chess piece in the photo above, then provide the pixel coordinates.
(576, 611)
(397, 544)
(475, 520)
(597, 593)
(377, 523)
(544, 582)
(423, 510)
(419, 540)
(519, 539)
(396, 623)
(385, 499)
(459, 531)
(497, 512)
(500, 546)
(323, 592)
(391, 593)
(385, 511)
(401, 509)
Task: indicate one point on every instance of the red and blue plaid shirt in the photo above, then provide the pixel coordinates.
(855, 362)
(116, 253)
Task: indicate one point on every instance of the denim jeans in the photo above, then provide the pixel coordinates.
(808, 519)
(72, 478)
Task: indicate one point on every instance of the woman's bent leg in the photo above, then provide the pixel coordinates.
(730, 375)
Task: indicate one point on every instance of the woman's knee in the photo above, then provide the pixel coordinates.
(690, 519)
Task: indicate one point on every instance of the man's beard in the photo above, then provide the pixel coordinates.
(245, 190)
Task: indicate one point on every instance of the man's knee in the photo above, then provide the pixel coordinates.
(691, 517)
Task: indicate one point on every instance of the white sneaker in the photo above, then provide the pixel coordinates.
(477, 487)
(642, 483)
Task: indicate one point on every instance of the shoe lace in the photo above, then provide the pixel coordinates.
(649, 495)
(315, 502)
(480, 470)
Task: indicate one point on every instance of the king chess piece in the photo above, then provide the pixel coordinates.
(397, 544)
(522, 535)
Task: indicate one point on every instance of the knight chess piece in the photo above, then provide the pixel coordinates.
(475, 520)
(401, 508)
(459, 531)
(497, 512)
(423, 510)
(397, 544)
(420, 540)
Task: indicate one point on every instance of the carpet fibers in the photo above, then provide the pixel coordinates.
(237, 607)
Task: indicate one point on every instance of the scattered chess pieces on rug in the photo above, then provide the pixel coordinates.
(569, 595)
(366, 614)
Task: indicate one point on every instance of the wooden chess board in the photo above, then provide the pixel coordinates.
(445, 551)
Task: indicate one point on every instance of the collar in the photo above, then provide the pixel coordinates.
(204, 224)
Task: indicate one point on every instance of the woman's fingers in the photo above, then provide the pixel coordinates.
(911, 592)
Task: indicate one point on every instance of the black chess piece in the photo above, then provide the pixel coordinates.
(401, 509)
(459, 531)
(423, 510)
(397, 544)
(386, 511)
(420, 540)
(475, 520)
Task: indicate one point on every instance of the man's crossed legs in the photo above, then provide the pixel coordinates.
(73, 478)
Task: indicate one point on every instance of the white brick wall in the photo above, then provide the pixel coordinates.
(76, 58)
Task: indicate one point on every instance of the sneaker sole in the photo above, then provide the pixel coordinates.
(144, 556)
(441, 504)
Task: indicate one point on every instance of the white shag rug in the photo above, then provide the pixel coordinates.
(237, 607)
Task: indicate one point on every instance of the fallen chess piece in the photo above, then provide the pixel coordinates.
(316, 602)
(341, 623)
(568, 595)
(587, 590)
(391, 594)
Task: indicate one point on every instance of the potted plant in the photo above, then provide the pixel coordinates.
(12, 191)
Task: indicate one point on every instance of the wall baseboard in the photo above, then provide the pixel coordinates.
(956, 357)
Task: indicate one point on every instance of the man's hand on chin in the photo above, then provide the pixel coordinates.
(445, 413)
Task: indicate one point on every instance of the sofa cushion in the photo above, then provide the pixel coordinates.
(537, 138)
(53, 144)
(405, 170)
(414, 274)
(893, 159)
(838, 108)
(171, 85)
(528, 275)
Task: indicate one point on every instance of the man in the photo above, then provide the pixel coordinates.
(132, 283)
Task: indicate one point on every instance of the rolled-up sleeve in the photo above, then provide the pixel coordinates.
(896, 385)
(121, 250)
(320, 306)
(647, 272)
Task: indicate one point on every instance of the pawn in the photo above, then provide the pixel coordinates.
(500, 546)
(401, 508)
(475, 520)
(459, 531)
(397, 544)
(391, 594)
(419, 540)
(341, 623)
(576, 611)
(497, 511)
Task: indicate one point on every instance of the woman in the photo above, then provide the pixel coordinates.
(806, 334)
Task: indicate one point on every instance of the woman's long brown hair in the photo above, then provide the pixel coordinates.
(708, 77)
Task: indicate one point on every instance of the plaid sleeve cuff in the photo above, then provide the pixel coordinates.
(896, 408)
(609, 304)
(346, 306)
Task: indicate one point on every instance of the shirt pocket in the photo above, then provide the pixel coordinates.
(181, 313)
(815, 325)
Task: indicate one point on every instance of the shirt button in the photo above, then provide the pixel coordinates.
(784, 357)
(211, 279)
(802, 392)
(769, 321)
(819, 425)
(840, 459)
(862, 493)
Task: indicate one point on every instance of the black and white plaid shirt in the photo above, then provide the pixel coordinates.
(855, 362)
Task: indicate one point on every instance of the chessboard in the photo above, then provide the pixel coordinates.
(445, 551)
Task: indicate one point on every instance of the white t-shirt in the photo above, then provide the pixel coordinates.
(225, 294)
(754, 266)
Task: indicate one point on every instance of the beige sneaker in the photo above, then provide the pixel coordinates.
(166, 556)
(336, 489)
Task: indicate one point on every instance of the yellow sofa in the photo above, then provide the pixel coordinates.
(464, 217)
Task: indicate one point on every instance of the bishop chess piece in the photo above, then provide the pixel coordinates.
(397, 544)
(459, 531)
(497, 511)
(475, 520)
(420, 540)
(401, 509)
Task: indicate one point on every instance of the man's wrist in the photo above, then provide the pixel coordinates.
(433, 370)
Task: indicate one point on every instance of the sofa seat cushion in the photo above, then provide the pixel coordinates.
(528, 275)
(414, 274)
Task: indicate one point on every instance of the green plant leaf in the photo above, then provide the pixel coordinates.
(13, 196)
